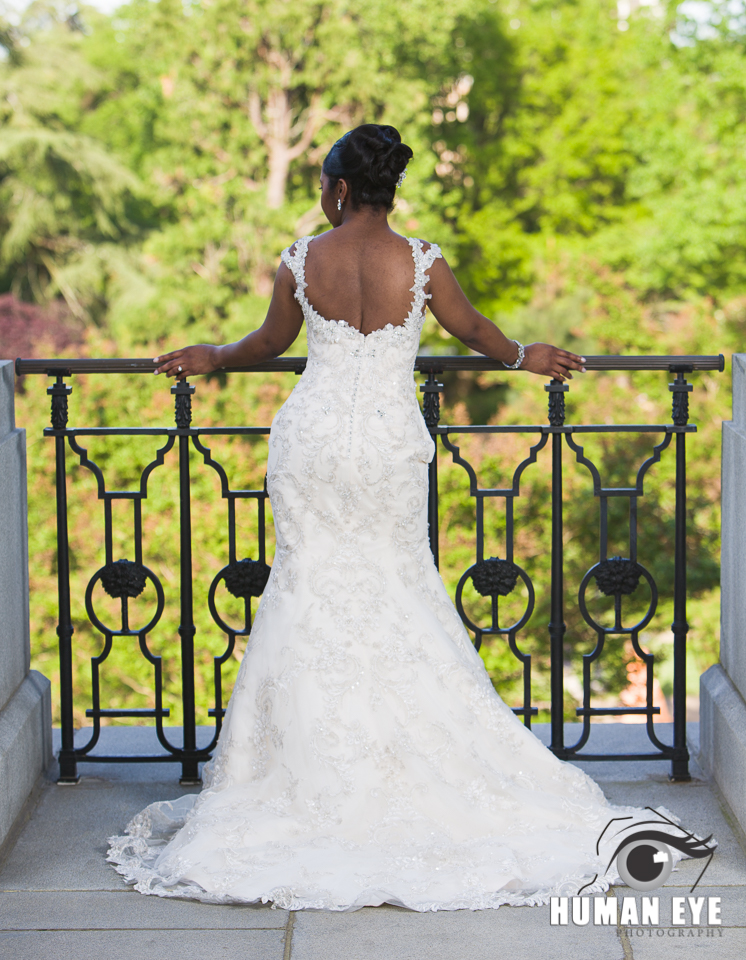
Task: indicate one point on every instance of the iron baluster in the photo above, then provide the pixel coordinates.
(556, 391)
(680, 415)
(182, 392)
(431, 412)
(59, 393)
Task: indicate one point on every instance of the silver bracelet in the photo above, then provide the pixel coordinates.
(521, 355)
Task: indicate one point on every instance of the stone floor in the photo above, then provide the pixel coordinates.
(60, 900)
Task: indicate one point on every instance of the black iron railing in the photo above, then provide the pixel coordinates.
(492, 577)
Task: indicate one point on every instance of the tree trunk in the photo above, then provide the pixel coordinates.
(278, 128)
(278, 123)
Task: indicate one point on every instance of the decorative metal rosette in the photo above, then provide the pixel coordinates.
(246, 578)
(494, 576)
(617, 575)
(243, 579)
(123, 578)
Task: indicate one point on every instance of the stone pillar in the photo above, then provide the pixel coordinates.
(25, 695)
(722, 706)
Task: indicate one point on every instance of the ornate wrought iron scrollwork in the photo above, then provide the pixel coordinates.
(246, 578)
(556, 412)
(680, 401)
(617, 575)
(431, 401)
(123, 578)
(182, 392)
(493, 577)
(59, 392)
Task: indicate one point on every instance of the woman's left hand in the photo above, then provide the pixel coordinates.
(543, 358)
(188, 362)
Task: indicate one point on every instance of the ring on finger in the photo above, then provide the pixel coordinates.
(179, 369)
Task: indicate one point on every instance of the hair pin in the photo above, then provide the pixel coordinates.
(402, 177)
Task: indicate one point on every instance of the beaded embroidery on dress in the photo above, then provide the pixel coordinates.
(365, 756)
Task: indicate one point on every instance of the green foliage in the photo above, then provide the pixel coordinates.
(585, 181)
(540, 129)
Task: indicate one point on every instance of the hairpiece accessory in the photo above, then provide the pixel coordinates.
(339, 203)
(521, 355)
(402, 177)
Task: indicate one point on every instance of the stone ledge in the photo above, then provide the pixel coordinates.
(25, 746)
(7, 392)
(723, 737)
(14, 597)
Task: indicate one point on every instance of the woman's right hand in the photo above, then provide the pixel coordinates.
(189, 361)
(549, 361)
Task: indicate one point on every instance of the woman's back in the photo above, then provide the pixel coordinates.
(364, 278)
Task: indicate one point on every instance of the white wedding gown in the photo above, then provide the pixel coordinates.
(365, 756)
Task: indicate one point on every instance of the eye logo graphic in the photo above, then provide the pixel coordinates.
(644, 859)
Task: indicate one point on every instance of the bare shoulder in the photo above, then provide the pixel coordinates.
(284, 279)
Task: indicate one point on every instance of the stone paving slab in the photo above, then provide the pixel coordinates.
(727, 944)
(127, 909)
(385, 933)
(63, 846)
(144, 945)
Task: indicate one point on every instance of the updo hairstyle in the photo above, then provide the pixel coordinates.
(370, 159)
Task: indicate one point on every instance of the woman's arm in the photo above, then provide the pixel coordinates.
(279, 330)
(453, 311)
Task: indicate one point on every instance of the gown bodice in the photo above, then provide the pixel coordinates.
(363, 383)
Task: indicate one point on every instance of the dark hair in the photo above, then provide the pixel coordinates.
(371, 158)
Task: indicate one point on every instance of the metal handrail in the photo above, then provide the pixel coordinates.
(66, 367)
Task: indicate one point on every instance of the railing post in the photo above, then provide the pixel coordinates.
(59, 392)
(680, 416)
(182, 392)
(556, 391)
(431, 411)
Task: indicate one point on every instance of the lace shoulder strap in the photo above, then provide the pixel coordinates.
(429, 256)
(296, 263)
(423, 260)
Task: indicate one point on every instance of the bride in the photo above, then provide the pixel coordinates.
(365, 756)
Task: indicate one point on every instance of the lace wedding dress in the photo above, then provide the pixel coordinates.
(365, 756)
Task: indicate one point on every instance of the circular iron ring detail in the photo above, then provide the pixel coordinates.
(124, 581)
(520, 575)
(640, 625)
(242, 578)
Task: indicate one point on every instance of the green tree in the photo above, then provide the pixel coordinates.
(71, 212)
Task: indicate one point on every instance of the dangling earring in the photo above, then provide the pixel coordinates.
(339, 204)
